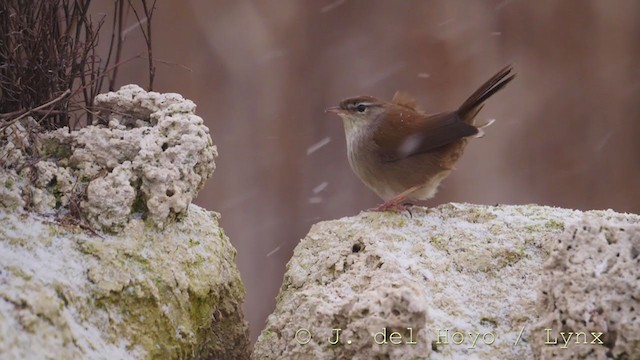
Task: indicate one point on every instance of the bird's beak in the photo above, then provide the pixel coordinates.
(334, 109)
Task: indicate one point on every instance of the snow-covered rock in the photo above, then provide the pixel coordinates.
(458, 281)
(102, 254)
(69, 293)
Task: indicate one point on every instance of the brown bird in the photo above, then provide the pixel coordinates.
(399, 151)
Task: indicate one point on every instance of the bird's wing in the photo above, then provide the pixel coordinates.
(412, 133)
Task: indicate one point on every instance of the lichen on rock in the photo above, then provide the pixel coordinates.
(146, 293)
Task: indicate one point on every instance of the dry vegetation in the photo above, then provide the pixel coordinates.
(50, 68)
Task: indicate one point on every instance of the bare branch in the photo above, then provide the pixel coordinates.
(120, 16)
(43, 106)
(146, 33)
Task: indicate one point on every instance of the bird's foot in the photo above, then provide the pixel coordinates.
(392, 206)
(395, 203)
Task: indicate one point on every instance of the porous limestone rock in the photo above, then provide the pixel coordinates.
(102, 254)
(67, 293)
(149, 160)
(454, 282)
(589, 300)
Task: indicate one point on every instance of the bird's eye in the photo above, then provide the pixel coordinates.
(361, 107)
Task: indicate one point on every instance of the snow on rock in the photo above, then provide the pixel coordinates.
(145, 293)
(458, 281)
(102, 254)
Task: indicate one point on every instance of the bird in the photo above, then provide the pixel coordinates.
(402, 153)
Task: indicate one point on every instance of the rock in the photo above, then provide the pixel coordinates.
(102, 254)
(66, 293)
(589, 300)
(150, 161)
(454, 282)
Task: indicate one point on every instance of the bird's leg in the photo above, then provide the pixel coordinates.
(395, 203)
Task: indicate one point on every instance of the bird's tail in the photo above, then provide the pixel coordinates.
(470, 108)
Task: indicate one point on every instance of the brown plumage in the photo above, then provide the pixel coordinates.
(399, 151)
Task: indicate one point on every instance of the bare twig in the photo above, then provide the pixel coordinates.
(119, 9)
(38, 108)
(148, 12)
(172, 63)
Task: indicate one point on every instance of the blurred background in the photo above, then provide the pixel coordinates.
(262, 73)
